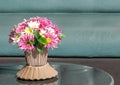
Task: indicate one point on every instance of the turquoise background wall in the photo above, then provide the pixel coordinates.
(59, 6)
(92, 27)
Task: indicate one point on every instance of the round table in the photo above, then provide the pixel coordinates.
(68, 74)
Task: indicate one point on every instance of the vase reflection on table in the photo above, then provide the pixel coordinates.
(52, 81)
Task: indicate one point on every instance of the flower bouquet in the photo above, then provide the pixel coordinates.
(35, 36)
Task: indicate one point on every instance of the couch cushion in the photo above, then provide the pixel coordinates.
(88, 34)
(48, 6)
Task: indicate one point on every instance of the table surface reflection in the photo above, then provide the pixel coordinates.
(68, 74)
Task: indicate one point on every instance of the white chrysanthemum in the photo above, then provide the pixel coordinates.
(33, 24)
(16, 39)
(28, 30)
(51, 30)
(42, 32)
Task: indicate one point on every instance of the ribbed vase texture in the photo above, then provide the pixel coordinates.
(37, 67)
(35, 58)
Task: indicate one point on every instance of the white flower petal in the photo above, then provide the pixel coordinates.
(33, 24)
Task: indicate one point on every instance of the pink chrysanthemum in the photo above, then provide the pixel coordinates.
(19, 29)
(52, 41)
(44, 22)
(57, 31)
(13, 35)
(37, 29)
(24, 42)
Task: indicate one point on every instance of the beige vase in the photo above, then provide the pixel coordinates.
(37, 67)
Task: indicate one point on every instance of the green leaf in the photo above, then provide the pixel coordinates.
(43, 40)
(32, 42)
(39, 48)
(15, 26)
(62, 36)
(36, 34)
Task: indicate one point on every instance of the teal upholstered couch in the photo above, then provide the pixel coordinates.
(92, 27)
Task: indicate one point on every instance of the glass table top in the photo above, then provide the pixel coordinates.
(68, 74)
